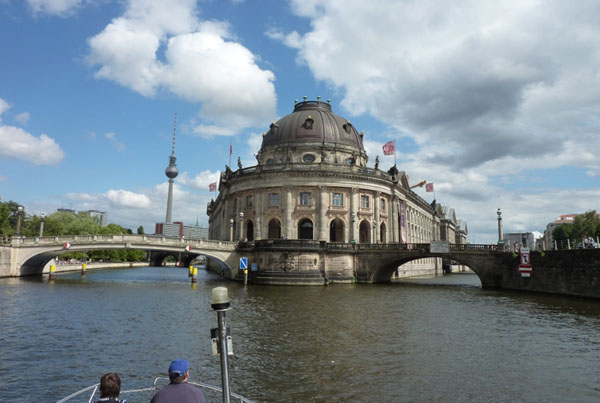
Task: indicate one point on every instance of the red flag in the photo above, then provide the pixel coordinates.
(429, 187)
(212, 187)
(388, 148)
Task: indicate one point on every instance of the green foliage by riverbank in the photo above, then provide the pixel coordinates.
(67, 223)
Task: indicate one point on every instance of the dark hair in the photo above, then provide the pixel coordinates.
(110, 385)
(176, 378)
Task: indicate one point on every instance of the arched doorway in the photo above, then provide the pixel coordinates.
(305, 229)
(382, 232)
(364, 232)
(250, 230)
(274, 229)
(336, 230)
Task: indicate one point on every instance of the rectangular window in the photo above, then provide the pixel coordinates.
(273, 199)
(382, 204)
(337, 199)
(249, 200)
(364, 201)
(305, 198)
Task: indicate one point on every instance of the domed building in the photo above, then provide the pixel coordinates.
(311, 182)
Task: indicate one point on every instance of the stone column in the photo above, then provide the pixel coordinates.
(353, 215)
(323, 205)
(289, 208)
(225, 221)
(376, 214)
(259, 208)
(394, 214)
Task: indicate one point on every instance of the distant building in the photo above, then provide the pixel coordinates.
(177, 229)
(101, 216)
(518, 240)
(65, 210)
(563, 219)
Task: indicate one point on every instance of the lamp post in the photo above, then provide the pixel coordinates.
(19, 218)
(500, 236)
(220, 304)
(241, 225)
(231, 229)
(42, 224)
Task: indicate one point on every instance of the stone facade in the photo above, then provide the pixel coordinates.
(311, 181)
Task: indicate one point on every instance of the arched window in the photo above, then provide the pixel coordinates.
(364, 232)
(305, 229)
(382, 233)
(250, 230)
(336, 230)
(274, 229)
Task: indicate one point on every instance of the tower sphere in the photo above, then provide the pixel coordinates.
(171, 170)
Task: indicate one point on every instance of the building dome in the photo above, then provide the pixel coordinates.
(313, 125)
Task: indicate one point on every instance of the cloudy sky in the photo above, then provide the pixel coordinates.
(496, 103)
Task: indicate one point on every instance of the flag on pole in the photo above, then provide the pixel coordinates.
(230, 148)
(388, 148)
(429, 187)
(212, 187)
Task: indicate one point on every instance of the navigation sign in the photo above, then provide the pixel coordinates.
(188, 248)
(244, 263)
(439, 247)
(525, 263)
(67, 245)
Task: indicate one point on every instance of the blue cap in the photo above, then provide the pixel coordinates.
(178, 367)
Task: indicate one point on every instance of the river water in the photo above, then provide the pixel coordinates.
(425, 340)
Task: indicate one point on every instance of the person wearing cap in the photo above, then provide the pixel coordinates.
(110, 387)
(179, 391)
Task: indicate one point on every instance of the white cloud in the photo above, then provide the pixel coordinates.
(125, 198)
(114, 142)
(201, 180)
(62, 8)
(22, 117)
(473, 83)
(201, 64)
(4, 106)
(17, 143)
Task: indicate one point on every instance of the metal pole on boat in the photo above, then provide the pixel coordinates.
(220, 303)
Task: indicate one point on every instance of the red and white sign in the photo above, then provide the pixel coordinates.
(188, 248)
(525, 265)
(67, 245)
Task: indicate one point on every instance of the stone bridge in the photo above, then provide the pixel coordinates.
(27, 256)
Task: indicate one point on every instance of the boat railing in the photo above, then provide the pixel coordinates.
(94, 388)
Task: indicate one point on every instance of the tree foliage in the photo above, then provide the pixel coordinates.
(586, 225)
(68, 223)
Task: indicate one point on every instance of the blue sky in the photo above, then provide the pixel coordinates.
(496, 104)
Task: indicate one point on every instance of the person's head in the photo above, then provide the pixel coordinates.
(110, 385)
(179, 371)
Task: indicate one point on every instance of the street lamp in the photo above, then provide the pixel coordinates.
(241, 225)
(42, 224)
(19, 218)
(231, 229)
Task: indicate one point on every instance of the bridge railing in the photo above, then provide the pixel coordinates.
(144, 239)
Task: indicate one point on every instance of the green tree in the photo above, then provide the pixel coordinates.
(586, 225)
(140, 230)
(562, 232)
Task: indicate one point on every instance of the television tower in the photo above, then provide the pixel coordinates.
(171, 173)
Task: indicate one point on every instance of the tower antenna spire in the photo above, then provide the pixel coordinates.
(174, 134)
